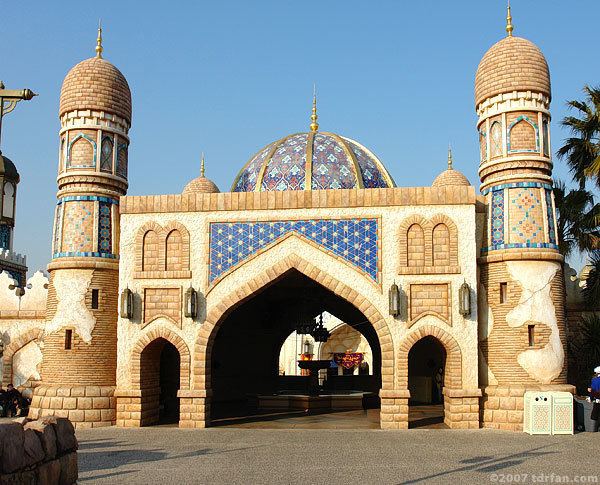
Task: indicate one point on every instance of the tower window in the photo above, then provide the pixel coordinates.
(531, 334)
(503, 292)
(68, 339)
(95, 298)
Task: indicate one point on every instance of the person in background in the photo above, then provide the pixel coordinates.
(594, 391)
(3, 402)
(13, 400)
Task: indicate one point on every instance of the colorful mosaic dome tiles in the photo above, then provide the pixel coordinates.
(312, 161)
(355, 240)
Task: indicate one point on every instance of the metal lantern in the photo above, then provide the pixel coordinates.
(127, 303)
(394, 296)
(304, 327)
(320, 333)
(191, 303)
(464, 299)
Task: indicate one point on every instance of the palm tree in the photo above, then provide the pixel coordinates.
(578, 220)
(591, 291)
(582, 150)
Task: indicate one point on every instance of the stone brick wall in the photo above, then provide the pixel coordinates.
(162, 302)
(430, 299)
(41, 452)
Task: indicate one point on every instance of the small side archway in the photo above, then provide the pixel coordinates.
(160, 369)
(33, 336)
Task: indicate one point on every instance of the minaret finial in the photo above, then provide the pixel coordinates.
(99, 48)
(450, 160)
(314, 126)
(509, 25)
(202, 166)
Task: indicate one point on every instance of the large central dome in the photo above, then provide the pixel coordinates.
(312, 161)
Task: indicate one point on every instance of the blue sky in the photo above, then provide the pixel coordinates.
(228, 77)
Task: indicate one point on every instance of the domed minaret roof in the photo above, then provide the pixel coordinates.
(201, 184)
(8, 169)
(96, 84)
(450, 177)
(512, 64)
(312, 161)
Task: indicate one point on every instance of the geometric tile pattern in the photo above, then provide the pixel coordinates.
(106, 154)
(550, 215)
(336, 163)
(122, 160)
(513, 185)
(4, 236)
(526, 216)
(355, 240)
(498, 217)
(104, 228)
(496, 139)
(78, 230)
(285, 170)
(57, 228)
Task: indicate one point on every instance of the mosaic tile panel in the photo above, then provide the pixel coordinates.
(122, 160)
(371, 174)
(78, 230)
(550, 215)
(496, 139)
(106, 155)
(497, 231)
(4, 236)
(355, 240)
(286, 170)
(331, 168)
(104, 228)
(58, 228)
(513, 185)
(526, 216)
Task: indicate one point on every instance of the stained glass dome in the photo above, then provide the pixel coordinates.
(312, 161)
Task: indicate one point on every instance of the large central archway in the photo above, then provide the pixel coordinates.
(241, 347)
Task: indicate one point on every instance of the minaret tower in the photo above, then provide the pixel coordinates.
(80, 342)
(523, 336)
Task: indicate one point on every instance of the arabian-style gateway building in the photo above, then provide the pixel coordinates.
(181, 303)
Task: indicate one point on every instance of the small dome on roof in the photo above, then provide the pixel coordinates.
(8, 169)
(450, 177)
(201, 184)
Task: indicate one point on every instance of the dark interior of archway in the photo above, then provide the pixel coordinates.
(426, 369)
(245, 352)
(159, 381)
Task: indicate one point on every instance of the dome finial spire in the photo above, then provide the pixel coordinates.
(202, 166)
(509, 25)
(99, 48)
(314, 126)
(450, 159)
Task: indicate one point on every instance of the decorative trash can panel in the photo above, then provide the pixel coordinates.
(562, 413)
(537, 413)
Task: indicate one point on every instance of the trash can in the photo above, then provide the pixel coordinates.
(562, 413)
(537, 417)
(584, 415)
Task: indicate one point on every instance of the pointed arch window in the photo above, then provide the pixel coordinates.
(122, 160)
(496, 139)
(106, 154)
(8, 200)
(546, 135)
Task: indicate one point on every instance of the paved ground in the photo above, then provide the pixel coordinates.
(256, 456)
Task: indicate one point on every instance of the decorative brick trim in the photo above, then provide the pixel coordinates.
(298, 199)
(453, 369)
(34, 334)
(162, 234)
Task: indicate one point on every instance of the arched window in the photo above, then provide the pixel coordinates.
(4, 236)
(415, 250)
(522, 135)
(106, 155)
(8, 200)
(82, 152)
(546, 135)
(496, 139)
(174, 251)
(483, 146)
(122, 160)
(150, 252)
(441, 245)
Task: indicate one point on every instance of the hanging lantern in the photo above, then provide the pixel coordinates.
(191, 303)
(127, 303)
(320, 333)
(464, 299)
(394, 296)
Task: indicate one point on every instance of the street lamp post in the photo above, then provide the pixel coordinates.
(9, 99)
